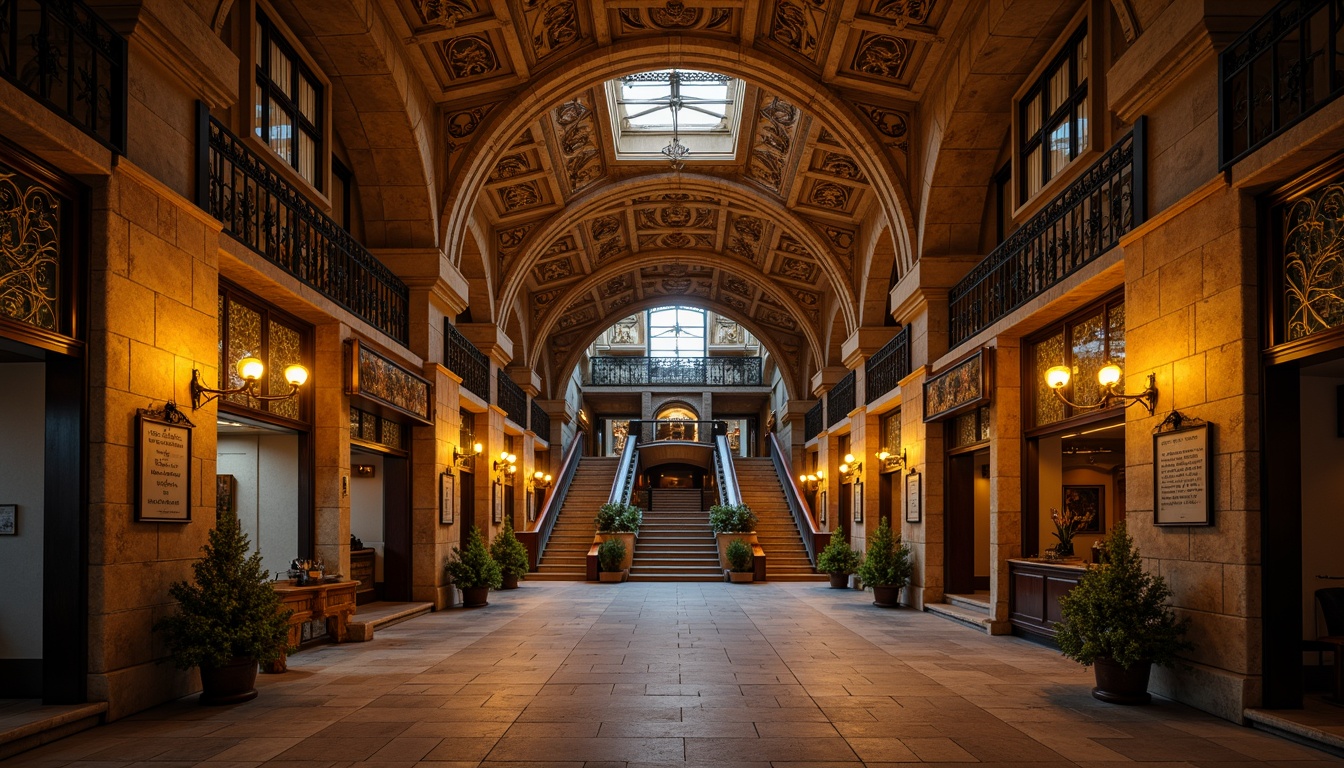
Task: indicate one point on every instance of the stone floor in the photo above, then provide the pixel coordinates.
(568, 674)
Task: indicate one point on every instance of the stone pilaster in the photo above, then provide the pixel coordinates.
(1005, 478)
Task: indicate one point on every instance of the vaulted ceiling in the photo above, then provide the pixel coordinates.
(784, 238)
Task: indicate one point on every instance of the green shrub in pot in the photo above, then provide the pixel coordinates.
(610, 554)
(739, 556)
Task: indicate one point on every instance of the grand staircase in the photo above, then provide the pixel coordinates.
(786, 557)
(675, 542)
(565, 556)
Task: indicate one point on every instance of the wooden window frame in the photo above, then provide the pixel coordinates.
(1065, 325)
(263, 89)
(233, 293)
(1063, 53)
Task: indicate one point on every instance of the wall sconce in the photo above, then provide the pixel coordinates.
(812, 481)
(1108, 377)
(850, 468)
(467, 460)
(892, 461)
(540, 480)
(250, 369)
(507, 464)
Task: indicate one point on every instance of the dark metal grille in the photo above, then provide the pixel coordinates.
(840, 400)
(1084, 221)
(267, 214)
(63, 54)
(511, 398)
(814, 422)
(465, 360)
(884, 370)
(1286, 66)
(706, 371)
(541, 422)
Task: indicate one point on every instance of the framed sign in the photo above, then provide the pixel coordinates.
(9, 519)
(447, 498)
(821, 514)
(1183, 477)
(497, 503)
(162, 466)
(531, 509)
(913, 494)
(858, 502)
(963, 387)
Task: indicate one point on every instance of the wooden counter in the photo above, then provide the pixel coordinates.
(1035, 589)
(334, 602)
(362, 570)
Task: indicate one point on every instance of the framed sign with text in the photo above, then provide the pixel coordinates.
(162, 466)
(447, 497)
(913, 489)
(1183, 477)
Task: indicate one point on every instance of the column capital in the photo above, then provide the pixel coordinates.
(863, 342)
(427, 269)
(928, 280)
(826, 378)
(526, 378)
(490, 339)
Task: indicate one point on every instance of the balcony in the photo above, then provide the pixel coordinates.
(840, 399)
(511, 398)
(1083, 222)
(263, 211)
(64, 55)
(468, 362)
(885, 369)
(541, 422)
(1286, 66)
(814, 421)
(675, 371)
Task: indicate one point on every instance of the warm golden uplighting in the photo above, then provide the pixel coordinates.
(296, 375)
(250, 369)
(891, 460)
(1057, 377)
(460, 460)
(1108, 377)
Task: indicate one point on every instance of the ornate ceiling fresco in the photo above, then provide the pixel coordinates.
(576, 238)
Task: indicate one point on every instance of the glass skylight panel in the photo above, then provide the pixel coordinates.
(700, 109)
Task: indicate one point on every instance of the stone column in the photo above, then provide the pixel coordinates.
(1005, 478)
(431, 455)
(331, 448)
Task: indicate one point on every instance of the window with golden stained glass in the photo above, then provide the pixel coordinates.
(248, 328)
(970, 428)
(891, 432)
(1083, 344)
(371, 428)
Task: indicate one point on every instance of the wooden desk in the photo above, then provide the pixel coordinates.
(334, 602)
(1033, 597)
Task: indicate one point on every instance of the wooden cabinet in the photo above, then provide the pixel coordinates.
(361, 571)
(1033, 598)
(333, 602)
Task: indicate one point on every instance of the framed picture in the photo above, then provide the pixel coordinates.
(226, 489)
(531, 510)
(1084, 500)
(447, 498)
(497, 503)
(1183, 477)
(913, 495)
(858, 502)
(961, 388)
(9, 519)
(162, 467)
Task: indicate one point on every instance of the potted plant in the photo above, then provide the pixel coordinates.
(730, 522)
(619, 521)
(886, 568)
(473, 571)
(838, 560)
(610, 556)
(228, 618)
(1067, 524)
(510, 555)
(1117, 618)
(740, 562)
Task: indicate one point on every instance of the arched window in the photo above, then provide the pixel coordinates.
(677, 332)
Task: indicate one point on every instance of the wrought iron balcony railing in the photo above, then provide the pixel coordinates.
(704, 371)
(465, 360)
(1286, 66)
(815, 421)
(840, 399)
(64, 55)
(885, 369)
(1084, 221)
(541, 422)
(511, 397)
(263, 211)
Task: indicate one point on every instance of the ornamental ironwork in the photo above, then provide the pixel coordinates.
(263, 211)
(703, 371)
(1282, 69)
(64, 55)
(884, 370)
(30, 251)
(840, 400)
(541, 422)
(1313, 263)
(511, 398)
(814, 421)
(1083, 222)
(468, 362)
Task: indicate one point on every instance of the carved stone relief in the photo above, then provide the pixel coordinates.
(553, 24)
(797, 24)
(830, 195)
(882, 56)
(445, 12)
(577, 131)
(773, 141)
(469, 56)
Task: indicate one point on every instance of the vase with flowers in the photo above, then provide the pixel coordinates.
(1067, 524)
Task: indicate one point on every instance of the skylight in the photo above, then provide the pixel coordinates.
(675, 113)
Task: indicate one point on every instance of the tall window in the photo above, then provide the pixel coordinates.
(289, 102)
(677, 332)
(1052, 119)
(1084, 344)
(248, 328)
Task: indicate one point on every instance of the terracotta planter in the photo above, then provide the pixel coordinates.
(611, 577)
(510, 582)
(232, 683)
(475, 597)
(887, 596)
(839, 581)
(741, 577)
(1118, 685)
(724, 539)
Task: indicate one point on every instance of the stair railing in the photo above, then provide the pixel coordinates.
(623, 485)
(814, 539)
(730, 492)
(536, 537)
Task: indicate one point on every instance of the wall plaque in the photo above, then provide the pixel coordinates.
(162, 466)
(913, 488)
(962, 387)
(1182, 477)
(386, 384)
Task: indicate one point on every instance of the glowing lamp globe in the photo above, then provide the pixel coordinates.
(1057, 377)
(251, 369)
(296, 375)
(1109, 375)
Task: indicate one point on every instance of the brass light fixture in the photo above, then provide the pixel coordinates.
(892, 461)
(467, 460)
(850, 468)
(541, 480)
(507, 465)
(813, 480)
(250, 369)
(1057, 377)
